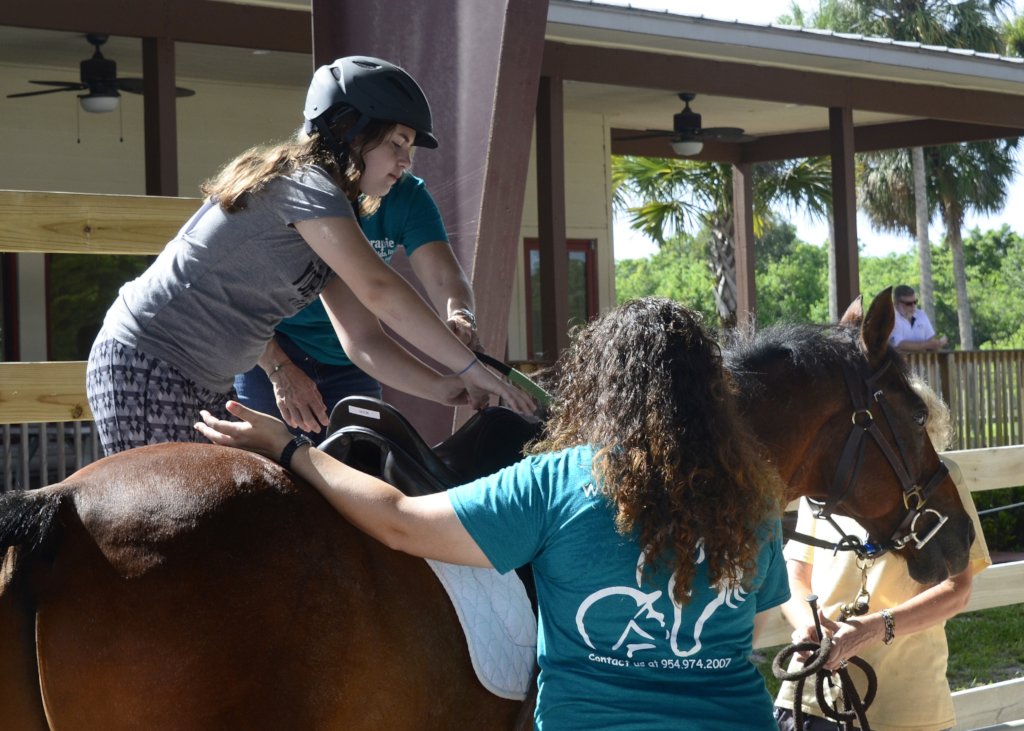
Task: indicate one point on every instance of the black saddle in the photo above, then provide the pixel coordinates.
(370, 435)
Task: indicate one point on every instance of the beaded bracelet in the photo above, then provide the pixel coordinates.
(273, 371)
(890, 626)
(466, 369)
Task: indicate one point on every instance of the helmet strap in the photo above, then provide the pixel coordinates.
(356, 128)
(340, 150)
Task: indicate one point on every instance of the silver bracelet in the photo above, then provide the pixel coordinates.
(466, 315)
(890, 626)
(274, 371)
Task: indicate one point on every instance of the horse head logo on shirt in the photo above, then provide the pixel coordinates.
(644, 627)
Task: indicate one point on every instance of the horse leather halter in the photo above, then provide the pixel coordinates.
(915, 496)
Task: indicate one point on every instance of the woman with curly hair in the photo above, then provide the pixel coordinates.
(649, 518)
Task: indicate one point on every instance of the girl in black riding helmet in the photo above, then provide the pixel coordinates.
(276, 226)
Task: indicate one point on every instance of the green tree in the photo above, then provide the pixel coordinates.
(1013, 36)
(995, 272)
(972, 176)
(663, 197)
(794, 288)
(791, 275)
(678, 270)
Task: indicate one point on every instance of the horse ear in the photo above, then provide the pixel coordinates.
(878, 325)
(854, 313)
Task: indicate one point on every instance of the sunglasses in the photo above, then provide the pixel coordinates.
(905, 302)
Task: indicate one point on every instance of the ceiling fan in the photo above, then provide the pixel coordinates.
(98, 79)
(688, 136)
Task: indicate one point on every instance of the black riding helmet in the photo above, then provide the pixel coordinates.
(375, 89)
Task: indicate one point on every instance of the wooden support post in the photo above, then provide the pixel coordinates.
(160, 115)
(743, 242)
(554, 256)
(844, 206)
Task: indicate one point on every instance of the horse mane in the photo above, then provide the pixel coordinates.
(811, 350)
(940, 423)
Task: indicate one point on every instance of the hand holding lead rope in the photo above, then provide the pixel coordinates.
(815, 664)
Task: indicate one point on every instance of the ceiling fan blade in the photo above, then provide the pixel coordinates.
(726, 134)
(67, 84)
(134, 86)
(649, 134)
(45, 91)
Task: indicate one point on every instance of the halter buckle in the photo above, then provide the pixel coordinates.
(864, 414)
(918, 498)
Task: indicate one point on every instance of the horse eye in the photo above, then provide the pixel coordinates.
(921, 417)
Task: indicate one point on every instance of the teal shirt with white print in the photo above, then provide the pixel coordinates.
(407, 217)
(615, 651)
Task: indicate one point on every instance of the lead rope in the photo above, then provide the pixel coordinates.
(853, 707)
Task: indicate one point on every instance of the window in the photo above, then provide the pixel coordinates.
(582, 291)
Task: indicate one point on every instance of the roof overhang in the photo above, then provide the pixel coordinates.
(777, 83)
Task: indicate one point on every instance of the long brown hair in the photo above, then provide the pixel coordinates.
(644, 384)
(248, 173)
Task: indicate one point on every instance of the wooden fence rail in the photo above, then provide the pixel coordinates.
(984, 391)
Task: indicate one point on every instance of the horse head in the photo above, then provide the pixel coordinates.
(836, 409)
(924, 520)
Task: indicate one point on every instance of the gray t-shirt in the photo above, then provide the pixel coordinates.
(211, 300)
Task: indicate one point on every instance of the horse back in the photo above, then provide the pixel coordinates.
(209, 574)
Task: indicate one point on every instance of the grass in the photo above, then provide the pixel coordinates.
(984, 647)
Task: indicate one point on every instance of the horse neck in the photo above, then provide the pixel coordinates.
(790, 417)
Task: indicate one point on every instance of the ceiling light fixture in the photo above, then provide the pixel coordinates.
(687, 146)
(99, 102)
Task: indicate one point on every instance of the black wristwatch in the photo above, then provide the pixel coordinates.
(285, 460)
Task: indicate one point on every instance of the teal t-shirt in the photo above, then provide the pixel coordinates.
(407, 216)
(615, 651)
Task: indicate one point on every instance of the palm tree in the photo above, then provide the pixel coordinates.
(952, 23)
(922, 216)
(663, 196)
(1013, 36)
(958, 186)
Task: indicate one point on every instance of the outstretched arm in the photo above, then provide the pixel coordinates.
(340, 243)
(424, 526)
(437, 268)
(376, 353)
(935, 342)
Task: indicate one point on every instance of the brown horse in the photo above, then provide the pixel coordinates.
(198, 587)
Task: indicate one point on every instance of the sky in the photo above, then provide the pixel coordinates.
(632, 245)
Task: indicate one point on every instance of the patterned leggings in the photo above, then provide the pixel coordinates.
(138, 400)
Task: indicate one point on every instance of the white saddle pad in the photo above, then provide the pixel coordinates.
(500, 628)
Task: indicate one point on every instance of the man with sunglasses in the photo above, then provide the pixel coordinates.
(913, 331)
